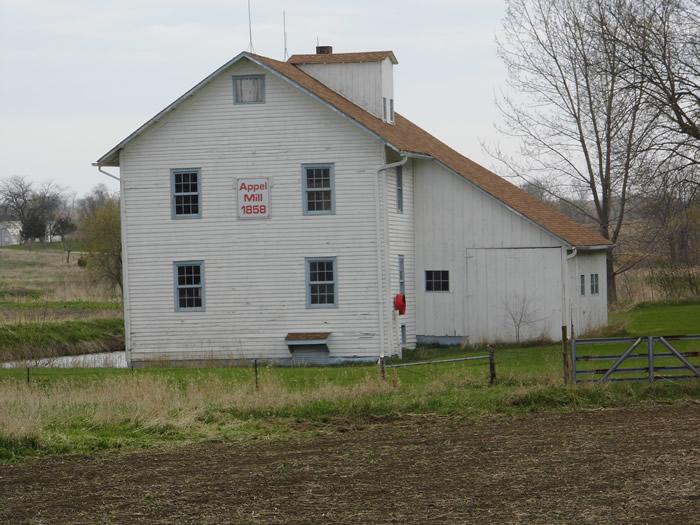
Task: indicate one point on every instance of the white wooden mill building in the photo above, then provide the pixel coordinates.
(276, 209)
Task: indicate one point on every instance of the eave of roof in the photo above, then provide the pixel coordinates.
(405, 137)
(343, 58)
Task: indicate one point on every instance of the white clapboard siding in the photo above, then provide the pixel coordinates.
(254, 269)
(589, 311)
(462, 229)
(365, 83)
(402, 242)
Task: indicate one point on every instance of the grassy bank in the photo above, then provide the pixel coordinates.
(51, 339)
(50, 307)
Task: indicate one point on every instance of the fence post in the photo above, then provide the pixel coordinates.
(492, 366)
(255, 366)
(564, 354)
(650, 355)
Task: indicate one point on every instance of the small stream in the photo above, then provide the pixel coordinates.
(101, 360)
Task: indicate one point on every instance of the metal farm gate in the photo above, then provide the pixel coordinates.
(651, 358)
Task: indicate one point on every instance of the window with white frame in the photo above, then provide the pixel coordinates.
(583, 284)
(189, 285)
(248, 89)
(318, 189)
(437, 281)
(594, 284)
(399, 189)
(321, 282)
(402, 274)
(186, 186)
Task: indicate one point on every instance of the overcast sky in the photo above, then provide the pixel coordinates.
(77, 76)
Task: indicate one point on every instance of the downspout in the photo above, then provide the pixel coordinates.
(565, 284)
(99, 168)
(379, 226)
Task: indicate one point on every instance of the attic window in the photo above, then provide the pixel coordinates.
(248, 89)
(391, 110)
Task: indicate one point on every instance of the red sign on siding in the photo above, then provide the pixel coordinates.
(253, 198)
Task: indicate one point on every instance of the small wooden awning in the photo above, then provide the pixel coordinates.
(307, 338)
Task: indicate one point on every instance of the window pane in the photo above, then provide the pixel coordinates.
(321, 285)
(437, 281)
(249, 89)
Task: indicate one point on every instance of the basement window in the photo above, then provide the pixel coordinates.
(185, 187)
(321, 282)
(437, 281)
(594, 284)
(583, 284)
(399, 189)
(318, 189)
(249, 89)
(189, 285)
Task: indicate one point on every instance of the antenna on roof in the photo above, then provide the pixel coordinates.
(284, 28)
(250, 31)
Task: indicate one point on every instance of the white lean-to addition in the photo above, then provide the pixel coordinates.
(277, 209)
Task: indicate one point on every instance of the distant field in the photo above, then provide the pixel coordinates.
(50, 307)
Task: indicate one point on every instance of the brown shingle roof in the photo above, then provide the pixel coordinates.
(341, 58)
(408, 137)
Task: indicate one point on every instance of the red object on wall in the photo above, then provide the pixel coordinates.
(400, 303)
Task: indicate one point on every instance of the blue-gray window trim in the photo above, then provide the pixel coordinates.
(174, 171)
(402, 274)
(236, 97)
(307, 264)
(176, 296)
(304, 189)
(399, 189)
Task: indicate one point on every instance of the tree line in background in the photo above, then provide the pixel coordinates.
(89, 225)
(604, 97)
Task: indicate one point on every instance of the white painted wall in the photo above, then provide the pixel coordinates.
(254, 269)
(588, 311)
(364, 83)
(497, 260)
(402, 242)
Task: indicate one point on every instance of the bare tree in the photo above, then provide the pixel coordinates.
(578, 128)
(521, 313)
(660, 43)
(35, 209)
